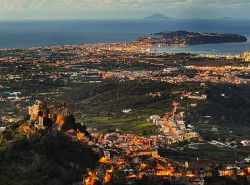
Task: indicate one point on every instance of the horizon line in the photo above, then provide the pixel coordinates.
(124, 19)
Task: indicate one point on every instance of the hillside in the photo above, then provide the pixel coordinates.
(228, 108)
(40, 157)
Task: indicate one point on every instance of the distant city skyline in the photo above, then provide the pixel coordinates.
(122, 9)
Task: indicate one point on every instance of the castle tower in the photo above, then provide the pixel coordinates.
(40, 121)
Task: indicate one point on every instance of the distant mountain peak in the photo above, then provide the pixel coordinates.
(226, 18)
(157, 16)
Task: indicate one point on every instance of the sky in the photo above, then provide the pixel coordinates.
(122, 9)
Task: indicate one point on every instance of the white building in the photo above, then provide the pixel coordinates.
(245, 142)
(126, 111)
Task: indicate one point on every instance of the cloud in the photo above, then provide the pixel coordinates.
(118, 6)
(13, 5)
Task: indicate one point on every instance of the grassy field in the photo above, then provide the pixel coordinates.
(100, 105)
(130, 123)
(215, 153)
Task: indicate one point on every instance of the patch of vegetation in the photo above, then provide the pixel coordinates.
(226, 180)
(101, 105)
(42, 157)
(228, 107)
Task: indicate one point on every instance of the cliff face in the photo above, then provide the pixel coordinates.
(30, 157)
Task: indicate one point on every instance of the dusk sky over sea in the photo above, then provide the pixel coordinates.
(122, 9)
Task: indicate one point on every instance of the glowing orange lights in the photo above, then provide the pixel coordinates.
(133, 175)
(107, 177)
(162, 171)
(155, 154)
(190, 174)
(59, 119)
(228, 173)
(242, 173)
(248, 170)
(80, 136)
(143, 165)
(91, 179)
(25, 128)
(104, 160)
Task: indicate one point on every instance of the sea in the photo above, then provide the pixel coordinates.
(25, 34)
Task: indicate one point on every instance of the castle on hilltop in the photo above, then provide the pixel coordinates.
(43, 113)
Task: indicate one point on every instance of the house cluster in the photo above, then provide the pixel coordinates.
(245, 143)
(173, 127)
(127, 158)
(245, 56)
